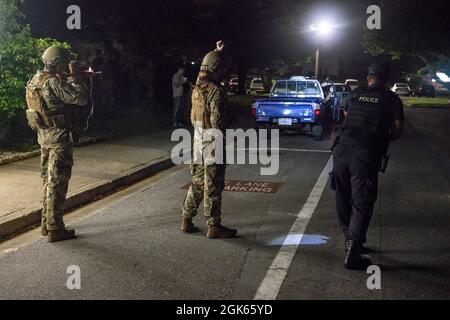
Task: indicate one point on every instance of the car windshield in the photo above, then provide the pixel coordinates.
(341, 88)
(352, 83)
(258, 81)
(297, 88)
(401, 85)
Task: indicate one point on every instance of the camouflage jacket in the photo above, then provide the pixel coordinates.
(209, 106)
(209, 118)
(59, 93)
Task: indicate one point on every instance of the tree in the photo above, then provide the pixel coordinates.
(19, 58)
(259, 33)
(412, 32)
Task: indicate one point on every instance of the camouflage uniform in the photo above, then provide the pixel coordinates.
(56, 143)
(209, 105)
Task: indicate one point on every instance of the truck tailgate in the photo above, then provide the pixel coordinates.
(278, 109)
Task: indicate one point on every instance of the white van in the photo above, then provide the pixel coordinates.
(352, 83)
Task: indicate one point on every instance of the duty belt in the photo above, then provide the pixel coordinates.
(357, 143)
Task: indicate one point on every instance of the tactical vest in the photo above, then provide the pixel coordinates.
(369, 112)
(39, 116)
(200, 114)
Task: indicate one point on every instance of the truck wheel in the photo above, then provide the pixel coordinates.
(317, 133)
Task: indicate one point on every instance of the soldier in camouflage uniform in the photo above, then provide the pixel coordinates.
(209, 118)
(51, 99)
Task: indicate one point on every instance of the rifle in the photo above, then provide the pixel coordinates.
(87, 74)
(385, 163)
(384, 160)
(336, 136)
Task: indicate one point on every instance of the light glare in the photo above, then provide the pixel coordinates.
(443, 77)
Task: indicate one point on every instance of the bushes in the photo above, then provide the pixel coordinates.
(19, 59)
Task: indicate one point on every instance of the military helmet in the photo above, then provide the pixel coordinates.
(211, 62)
(55, 56)
(381, 70)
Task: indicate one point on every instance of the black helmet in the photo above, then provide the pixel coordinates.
(382, 70)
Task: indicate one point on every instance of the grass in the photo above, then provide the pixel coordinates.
(427, 102)
(244, 101)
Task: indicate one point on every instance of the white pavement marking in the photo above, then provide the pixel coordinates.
(281, 149)
(271, 284)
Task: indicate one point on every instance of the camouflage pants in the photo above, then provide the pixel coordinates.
(207, 185)
(56, 171)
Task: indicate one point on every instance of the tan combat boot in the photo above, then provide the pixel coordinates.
(188, 227)
(44, 231)
(61, 235)
(219, 231)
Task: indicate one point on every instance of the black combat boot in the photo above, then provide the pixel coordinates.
(61, 235)
(354, 260)
(364, 250)
(188, 227)
(219, 231)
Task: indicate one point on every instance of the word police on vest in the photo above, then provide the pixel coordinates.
(210, 146)
(369, 99)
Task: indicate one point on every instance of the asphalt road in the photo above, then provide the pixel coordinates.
(130, 246)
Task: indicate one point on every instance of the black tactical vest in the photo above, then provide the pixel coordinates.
(370, 114)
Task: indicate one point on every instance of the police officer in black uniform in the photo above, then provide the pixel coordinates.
(374, 118)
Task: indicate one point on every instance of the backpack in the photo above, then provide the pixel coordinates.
(37, 107)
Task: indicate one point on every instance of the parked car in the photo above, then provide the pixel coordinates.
(441, 90)
(257, 86)
(233, 85)
(401, 89)
(293, 104)
(343, 91)
(336, 95)
(425, 90)
(352, 83)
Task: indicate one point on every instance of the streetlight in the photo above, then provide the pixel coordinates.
(323, 29)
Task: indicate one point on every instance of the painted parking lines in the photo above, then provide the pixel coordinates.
(271, 284)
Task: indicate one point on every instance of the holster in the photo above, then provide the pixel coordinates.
(59, 121)
(58, 118)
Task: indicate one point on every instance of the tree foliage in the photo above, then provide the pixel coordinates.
(19, 58)
(410, 30)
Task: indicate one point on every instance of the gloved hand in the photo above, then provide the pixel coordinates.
(75, 68)
(220, 45)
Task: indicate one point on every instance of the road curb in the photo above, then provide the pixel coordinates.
(36, 153)
(20, 220)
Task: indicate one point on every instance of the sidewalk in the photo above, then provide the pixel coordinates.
(99, 169)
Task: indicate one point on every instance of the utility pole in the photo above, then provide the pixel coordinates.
(317, 63)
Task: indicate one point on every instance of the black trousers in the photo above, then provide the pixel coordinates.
(355, 180)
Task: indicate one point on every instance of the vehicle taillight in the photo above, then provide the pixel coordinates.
(317, 112)
(254, 109)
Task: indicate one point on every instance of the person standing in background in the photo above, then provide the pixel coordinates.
(178, 81)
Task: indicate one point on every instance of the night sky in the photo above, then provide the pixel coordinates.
(169, 17)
